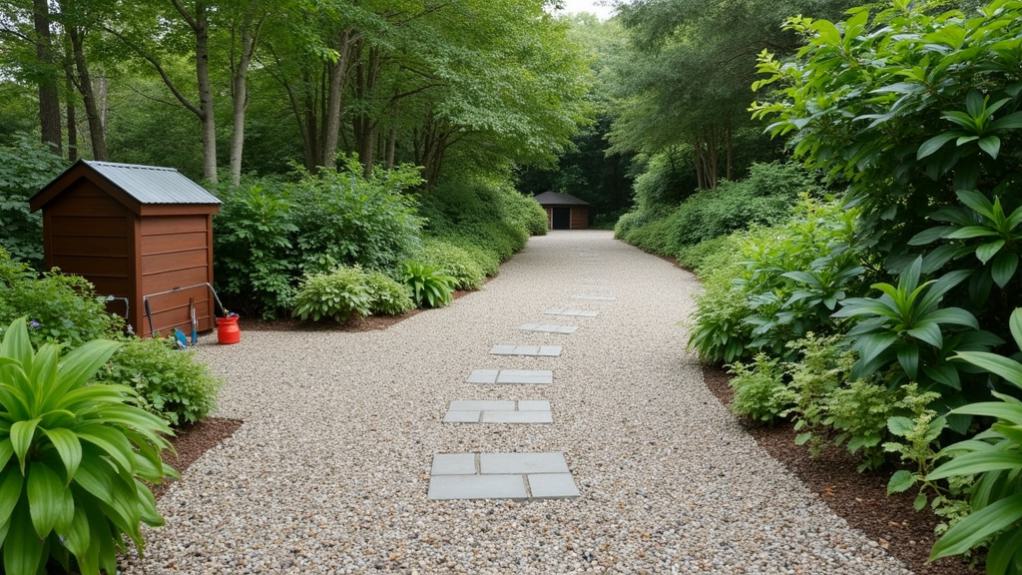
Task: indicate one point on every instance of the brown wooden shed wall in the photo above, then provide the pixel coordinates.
(176, 251)
(88, 233)
(579, 217)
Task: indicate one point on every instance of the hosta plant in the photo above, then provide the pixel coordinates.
(995, 458)
(904, 324)
(73, 459)
(339, 295)
(430, 288)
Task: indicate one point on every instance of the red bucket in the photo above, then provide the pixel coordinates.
(227, 330)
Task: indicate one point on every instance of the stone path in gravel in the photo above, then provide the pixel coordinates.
(330, 472)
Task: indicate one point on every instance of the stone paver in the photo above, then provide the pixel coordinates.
(526, 350)
(552, 486)
(535, 411)
(517, 417)
(511, 376)
(548, 328)
(442, 487)
(548, 462)
(588, 297)
(503, 476)
(571, 312)
(453, 464)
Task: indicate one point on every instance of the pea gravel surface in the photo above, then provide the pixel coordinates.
(329, 472)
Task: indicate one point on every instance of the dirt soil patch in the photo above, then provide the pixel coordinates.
(192, 441)
(859, 498)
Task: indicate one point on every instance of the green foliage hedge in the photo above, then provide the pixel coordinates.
(25, 167)
(918, 114)
(763, 198)
(273, 235)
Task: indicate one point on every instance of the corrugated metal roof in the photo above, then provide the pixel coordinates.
(154, 184)
(556, 199)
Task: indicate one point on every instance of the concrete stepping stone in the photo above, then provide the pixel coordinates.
(501, 476)
(499, 411)
(548, 328)
(572, 312)
(527, 350)
(588, 297)
(511, 376)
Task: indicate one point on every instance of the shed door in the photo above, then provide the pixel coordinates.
(562, 218)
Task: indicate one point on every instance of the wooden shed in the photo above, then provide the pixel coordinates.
(564, 211)
(134, 231)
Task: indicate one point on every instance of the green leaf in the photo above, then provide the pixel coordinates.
(952, 315)
(900, 426)
(977, 202)
(989, 250)
(908, 358)
(991, 145)
(928, 332)
(1002, 552)
(933, 144)
(10, 493)
(930, 235)
(1003, 268)
(979, 525)
(1012, 121)
(872, 345)
(1009, 369)
(68, 447)
(49, 501)
(23, 551)
(977, 462)
(919, 502)
(22, 433)
(76, 535)
(1015, 324)
(969, 232)
(1011, 412)
(901, 481)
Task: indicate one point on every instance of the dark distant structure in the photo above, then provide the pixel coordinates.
(134, 231)
(564, 211)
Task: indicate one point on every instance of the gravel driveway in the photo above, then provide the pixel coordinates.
(330, 470)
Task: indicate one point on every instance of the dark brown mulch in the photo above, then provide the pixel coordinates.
(371, 323)
(192, 441)
(859, 498)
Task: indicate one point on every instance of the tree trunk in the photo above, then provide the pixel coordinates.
(240, 96)
(201, 27)
(49, 96)
(335, 95)
(95, 118)
(69, 103)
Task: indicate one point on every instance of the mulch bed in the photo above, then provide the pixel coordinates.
(192, 441)
(859, 498)
(371, 323)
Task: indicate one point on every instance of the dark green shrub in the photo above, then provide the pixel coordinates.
(708, 255)
(760, 394)
(785, 281)
(454, 261)
(60, 308)
(169, 382)
(25, 167)
(429, 287)
(344, 218)
(76, 460)
(387, 296)
(256, 263)
(339, 295)
(765, 197)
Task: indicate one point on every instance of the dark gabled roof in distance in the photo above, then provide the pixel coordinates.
(558, 199)
(147, 185)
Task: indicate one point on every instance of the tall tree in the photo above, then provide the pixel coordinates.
(48, 88)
